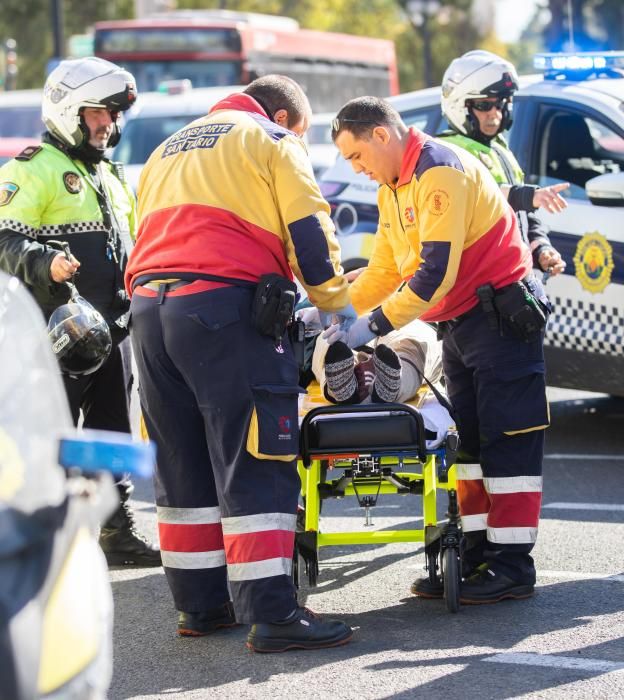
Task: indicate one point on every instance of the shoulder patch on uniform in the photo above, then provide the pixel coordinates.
(7, 192)
(72, 182)
(119, 170)
(28, 153)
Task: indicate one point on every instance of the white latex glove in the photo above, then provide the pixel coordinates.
(311, 317)
(346, 316)
(354, 335)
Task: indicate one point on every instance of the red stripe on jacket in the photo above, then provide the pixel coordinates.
(515, 509)
(499, 257)
(205, 537)
(199, 238)
(258, 546)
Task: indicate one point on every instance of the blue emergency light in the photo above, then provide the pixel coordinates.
(580, 66)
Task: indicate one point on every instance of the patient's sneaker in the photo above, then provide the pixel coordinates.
(387, 375)
(340, 383)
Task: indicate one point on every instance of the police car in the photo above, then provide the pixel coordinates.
(568, 126)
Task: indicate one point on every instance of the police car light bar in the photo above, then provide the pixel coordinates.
(580, 66)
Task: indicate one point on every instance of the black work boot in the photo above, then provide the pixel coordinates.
(488, 586)
(302, 629)
(199, 624)
(424, 588)
(120, 541)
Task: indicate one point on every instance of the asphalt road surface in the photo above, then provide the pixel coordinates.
(566, 642)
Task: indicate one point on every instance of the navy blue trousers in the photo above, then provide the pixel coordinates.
(496, 384)
(220, 402)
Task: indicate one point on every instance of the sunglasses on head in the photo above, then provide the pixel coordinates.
(486, 106)
(337, 124)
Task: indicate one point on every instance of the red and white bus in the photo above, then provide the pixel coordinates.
(230, 48)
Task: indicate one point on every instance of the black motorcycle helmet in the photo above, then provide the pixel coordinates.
(80, 337)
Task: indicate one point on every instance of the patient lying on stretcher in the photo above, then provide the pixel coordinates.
(392, 370)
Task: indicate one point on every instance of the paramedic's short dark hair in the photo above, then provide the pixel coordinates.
(275, 92)
(362, 114)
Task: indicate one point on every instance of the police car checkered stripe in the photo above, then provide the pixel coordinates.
(66, 229)
(18, 226)
(586, 327)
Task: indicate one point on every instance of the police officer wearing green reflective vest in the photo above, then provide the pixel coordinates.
(477, 101)
(62, 193)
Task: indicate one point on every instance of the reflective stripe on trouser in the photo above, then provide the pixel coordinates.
(203, 373)
(497, 387)
(190, 538)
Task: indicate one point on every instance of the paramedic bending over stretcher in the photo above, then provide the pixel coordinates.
(231, 196)
(446, 230)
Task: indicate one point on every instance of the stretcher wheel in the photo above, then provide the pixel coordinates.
(450, 566)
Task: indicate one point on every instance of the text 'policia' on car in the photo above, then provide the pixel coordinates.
(568, 127)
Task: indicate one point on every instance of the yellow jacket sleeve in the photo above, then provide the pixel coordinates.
(311, 245)
(444, 202)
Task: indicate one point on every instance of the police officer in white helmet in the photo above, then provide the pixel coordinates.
(477, 101)
(65, 195)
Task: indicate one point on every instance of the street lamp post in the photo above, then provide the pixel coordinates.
(420, 13)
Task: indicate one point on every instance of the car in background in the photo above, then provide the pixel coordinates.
(20, 114)
(10, 147)
(321, 148)
(568, 126)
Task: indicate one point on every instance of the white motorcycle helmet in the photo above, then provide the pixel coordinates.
(473, 76)
(84, 82)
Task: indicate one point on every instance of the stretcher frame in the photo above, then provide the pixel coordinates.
(401, 465)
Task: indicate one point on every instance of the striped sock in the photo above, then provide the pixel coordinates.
(341, 385)
(387, 375)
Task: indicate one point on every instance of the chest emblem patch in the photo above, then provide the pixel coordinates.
(593, 262)
(72, 182)
(409, 214)
(438, 202)
(7, 192)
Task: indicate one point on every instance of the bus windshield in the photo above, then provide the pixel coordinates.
(215, 48)
(149, 74)
(168, 40)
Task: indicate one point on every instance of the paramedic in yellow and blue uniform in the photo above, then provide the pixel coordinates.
(448, 249)
(223, 201)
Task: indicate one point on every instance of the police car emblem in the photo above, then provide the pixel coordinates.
(593, 262)
(7, 192)
(72, 181)
(486, 159)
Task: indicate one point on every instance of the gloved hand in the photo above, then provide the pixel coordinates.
(354, 335)
(346, 315)
(311, 317)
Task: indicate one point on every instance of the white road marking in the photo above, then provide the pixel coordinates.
(562, 455)
(584, 506)
(552, 661)
(581, 576)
